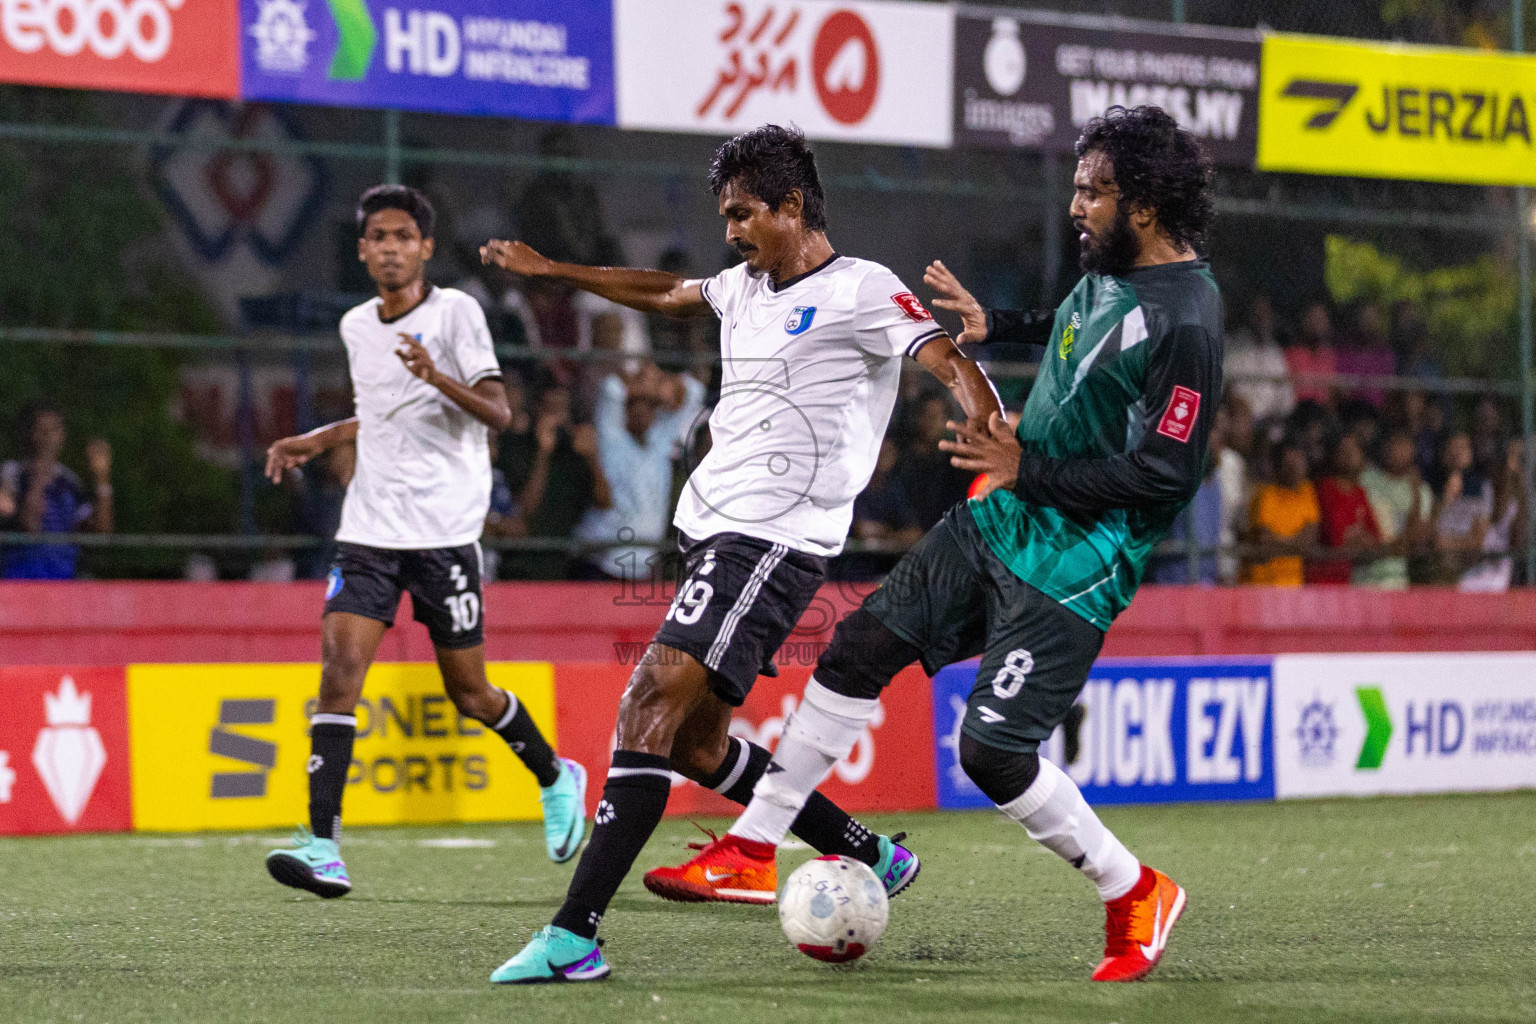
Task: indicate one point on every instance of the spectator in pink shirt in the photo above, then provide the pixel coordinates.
(1368, 353)
(1312, 353)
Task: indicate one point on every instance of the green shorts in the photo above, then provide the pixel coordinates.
(952, 599)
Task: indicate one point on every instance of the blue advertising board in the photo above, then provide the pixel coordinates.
(1154, 731)
(513, 58)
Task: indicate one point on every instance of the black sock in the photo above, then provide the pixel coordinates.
(824, 826)
(330, 757)
(634, 798)
(522, 735)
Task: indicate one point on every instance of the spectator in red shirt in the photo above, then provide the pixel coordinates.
(1348, 523)
(1313, 354)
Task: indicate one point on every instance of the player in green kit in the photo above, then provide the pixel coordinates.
(1110, 447)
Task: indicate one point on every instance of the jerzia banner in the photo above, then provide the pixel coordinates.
(1029, 80)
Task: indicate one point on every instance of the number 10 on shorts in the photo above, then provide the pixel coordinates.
(465, 609)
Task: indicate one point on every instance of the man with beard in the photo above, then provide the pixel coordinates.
(1110, 446)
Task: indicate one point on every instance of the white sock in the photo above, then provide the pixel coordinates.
(820, 733)
(1054, 814)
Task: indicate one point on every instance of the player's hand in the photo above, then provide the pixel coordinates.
(416, 358)
(290, 453)
(517, 257)
(98, 459)
(952, 295)
(994, 451)
(547, 432)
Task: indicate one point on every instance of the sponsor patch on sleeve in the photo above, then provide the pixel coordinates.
(911, 306)
(1179, 421)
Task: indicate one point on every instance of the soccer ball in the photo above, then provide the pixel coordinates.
(833, 909)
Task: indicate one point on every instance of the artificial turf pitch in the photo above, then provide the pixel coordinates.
(1408, 909)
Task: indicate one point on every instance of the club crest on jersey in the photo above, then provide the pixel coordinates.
(1179, 421)
(333, 583)
(909, 304)
(799, 320)
(1069, 335)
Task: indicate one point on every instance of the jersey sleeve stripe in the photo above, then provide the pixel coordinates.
(483, 375)
(704, 291)
(925, 339)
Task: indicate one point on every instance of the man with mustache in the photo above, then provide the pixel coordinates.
(1110, 446)
(811, 344)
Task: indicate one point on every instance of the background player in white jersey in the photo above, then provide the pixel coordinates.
(426, 386)
(811, 344)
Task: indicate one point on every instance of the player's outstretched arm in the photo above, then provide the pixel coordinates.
(650, 291)
(292, 452)
(964, 378)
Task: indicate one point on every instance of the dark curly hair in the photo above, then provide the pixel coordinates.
(396, 197)
(1157, 165)
(770, 162)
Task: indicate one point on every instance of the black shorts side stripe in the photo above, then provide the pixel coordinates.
(743, 605)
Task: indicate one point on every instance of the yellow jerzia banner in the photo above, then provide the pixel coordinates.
(225, 747)
(1396, 111)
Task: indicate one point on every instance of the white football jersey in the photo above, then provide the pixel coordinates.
(423, 475)
(810, 374)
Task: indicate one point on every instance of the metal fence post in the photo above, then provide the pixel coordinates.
(1523, 286)
(391, 147)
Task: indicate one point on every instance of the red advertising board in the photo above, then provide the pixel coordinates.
(890, 769)
(63, 750)
(183, 47)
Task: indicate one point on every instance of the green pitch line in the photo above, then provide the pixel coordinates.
(1341, 911)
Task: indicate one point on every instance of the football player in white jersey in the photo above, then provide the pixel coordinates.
(427, 387)
(811, 344)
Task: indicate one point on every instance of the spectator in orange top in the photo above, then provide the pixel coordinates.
(1313, 353)
(1282, 521)
(1348, 523)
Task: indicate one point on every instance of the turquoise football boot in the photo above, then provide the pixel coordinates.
(897, 866)
(565, 811)
(314, 864)
(554, 955)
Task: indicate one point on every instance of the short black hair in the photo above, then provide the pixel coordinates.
(771, 162)
(1157, 165)
(396, 197)
(28, 415)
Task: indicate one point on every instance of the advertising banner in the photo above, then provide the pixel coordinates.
(1359, 724)
(1396, 111)
(888, 769)
(1151, 732)
(63, 750)
(225, 747)
(857, 71)
(1024, 81)
(514, 58)
(183, 47)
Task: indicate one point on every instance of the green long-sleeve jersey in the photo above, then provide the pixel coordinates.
(1114, 432)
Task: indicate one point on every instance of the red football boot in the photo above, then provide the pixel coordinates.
(726, 870)
(1136, 927)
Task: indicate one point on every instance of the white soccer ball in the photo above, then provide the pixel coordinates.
(833, 908)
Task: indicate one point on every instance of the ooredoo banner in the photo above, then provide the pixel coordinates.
(225, 746)
(1150, 732)
(513, 58)
(1361, 724)
(63, 750)
(1029, 80)
(857, 71)
(182, 47)
(887, 770)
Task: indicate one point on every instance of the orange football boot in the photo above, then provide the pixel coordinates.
(1136, 927)
(727, 869)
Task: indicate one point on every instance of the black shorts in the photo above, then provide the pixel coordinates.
(444, 584)
(737, 600)
(952, 599)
